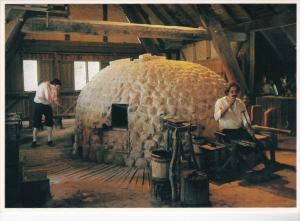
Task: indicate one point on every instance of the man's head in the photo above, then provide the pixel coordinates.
(232, 89)
(56, 83)
(264, 79)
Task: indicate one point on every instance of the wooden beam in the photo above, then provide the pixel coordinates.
(291, 37)
(167, 12)
(240, 14)
(56, 66)
(133, 16)
(182, 55)
(272, 44)
(144, 16)
(281, 20)
(208, 49)
(222, 13)
(192, 12)
(40, 8)
(30, 7)
(186, 15)
(151, 15)
(222, 46)
(248, 11)
(251, 61)
(59, 25)
(13, 48)
(104, 18)
(236, 36)
(158, 14)
(7, 12)
(12, 28)
(69, 108)
(30, 46)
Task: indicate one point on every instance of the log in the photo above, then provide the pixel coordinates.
(66, 26)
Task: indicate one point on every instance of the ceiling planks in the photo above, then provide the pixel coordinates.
(284, 19)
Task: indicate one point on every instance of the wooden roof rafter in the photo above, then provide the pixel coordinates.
(222, 45)
(272, 44)
(133, 16)
(158, 41)
(291, 38)
(187, 15)
(169, 14)
(159, 15)
(280, 20)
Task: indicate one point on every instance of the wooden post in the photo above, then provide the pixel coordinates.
(222, 46)
(56, 66)
(208, 50)
(105, 15)
(252, 62)
(194, 52)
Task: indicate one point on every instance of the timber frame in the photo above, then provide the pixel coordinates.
(160, 28)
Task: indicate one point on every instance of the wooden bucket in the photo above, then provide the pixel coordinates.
(160, 163)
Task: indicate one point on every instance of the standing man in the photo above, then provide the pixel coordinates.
(233, 118)
(47, 94)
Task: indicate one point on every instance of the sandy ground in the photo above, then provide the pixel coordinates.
(277, 191)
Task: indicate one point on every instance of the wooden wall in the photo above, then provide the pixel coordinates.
(204, 53)
(50, 65)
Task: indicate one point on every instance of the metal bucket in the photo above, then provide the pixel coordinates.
(194, 188)
(160, 163)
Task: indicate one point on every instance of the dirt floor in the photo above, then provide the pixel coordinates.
(77, 183)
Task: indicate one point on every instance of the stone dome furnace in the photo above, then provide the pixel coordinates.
(119, 113)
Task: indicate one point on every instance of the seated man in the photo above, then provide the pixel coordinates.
(233, 118)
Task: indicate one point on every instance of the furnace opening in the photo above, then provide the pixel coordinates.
(119, 116)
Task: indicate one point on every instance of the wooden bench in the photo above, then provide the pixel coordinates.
(204, 152)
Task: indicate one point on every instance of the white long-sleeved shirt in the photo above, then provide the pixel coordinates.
(46, 94)
(234, 117)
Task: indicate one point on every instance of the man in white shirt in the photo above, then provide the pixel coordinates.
(231, 113)
(47, 94)
(233, 118)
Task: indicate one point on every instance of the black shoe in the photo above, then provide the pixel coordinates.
(34, 144)
(50, 144)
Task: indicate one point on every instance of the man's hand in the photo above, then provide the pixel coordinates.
(251, 132)
(231, 101)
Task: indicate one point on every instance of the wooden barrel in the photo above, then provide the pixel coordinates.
(194, 188)
(160, 184)
(160, 163)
